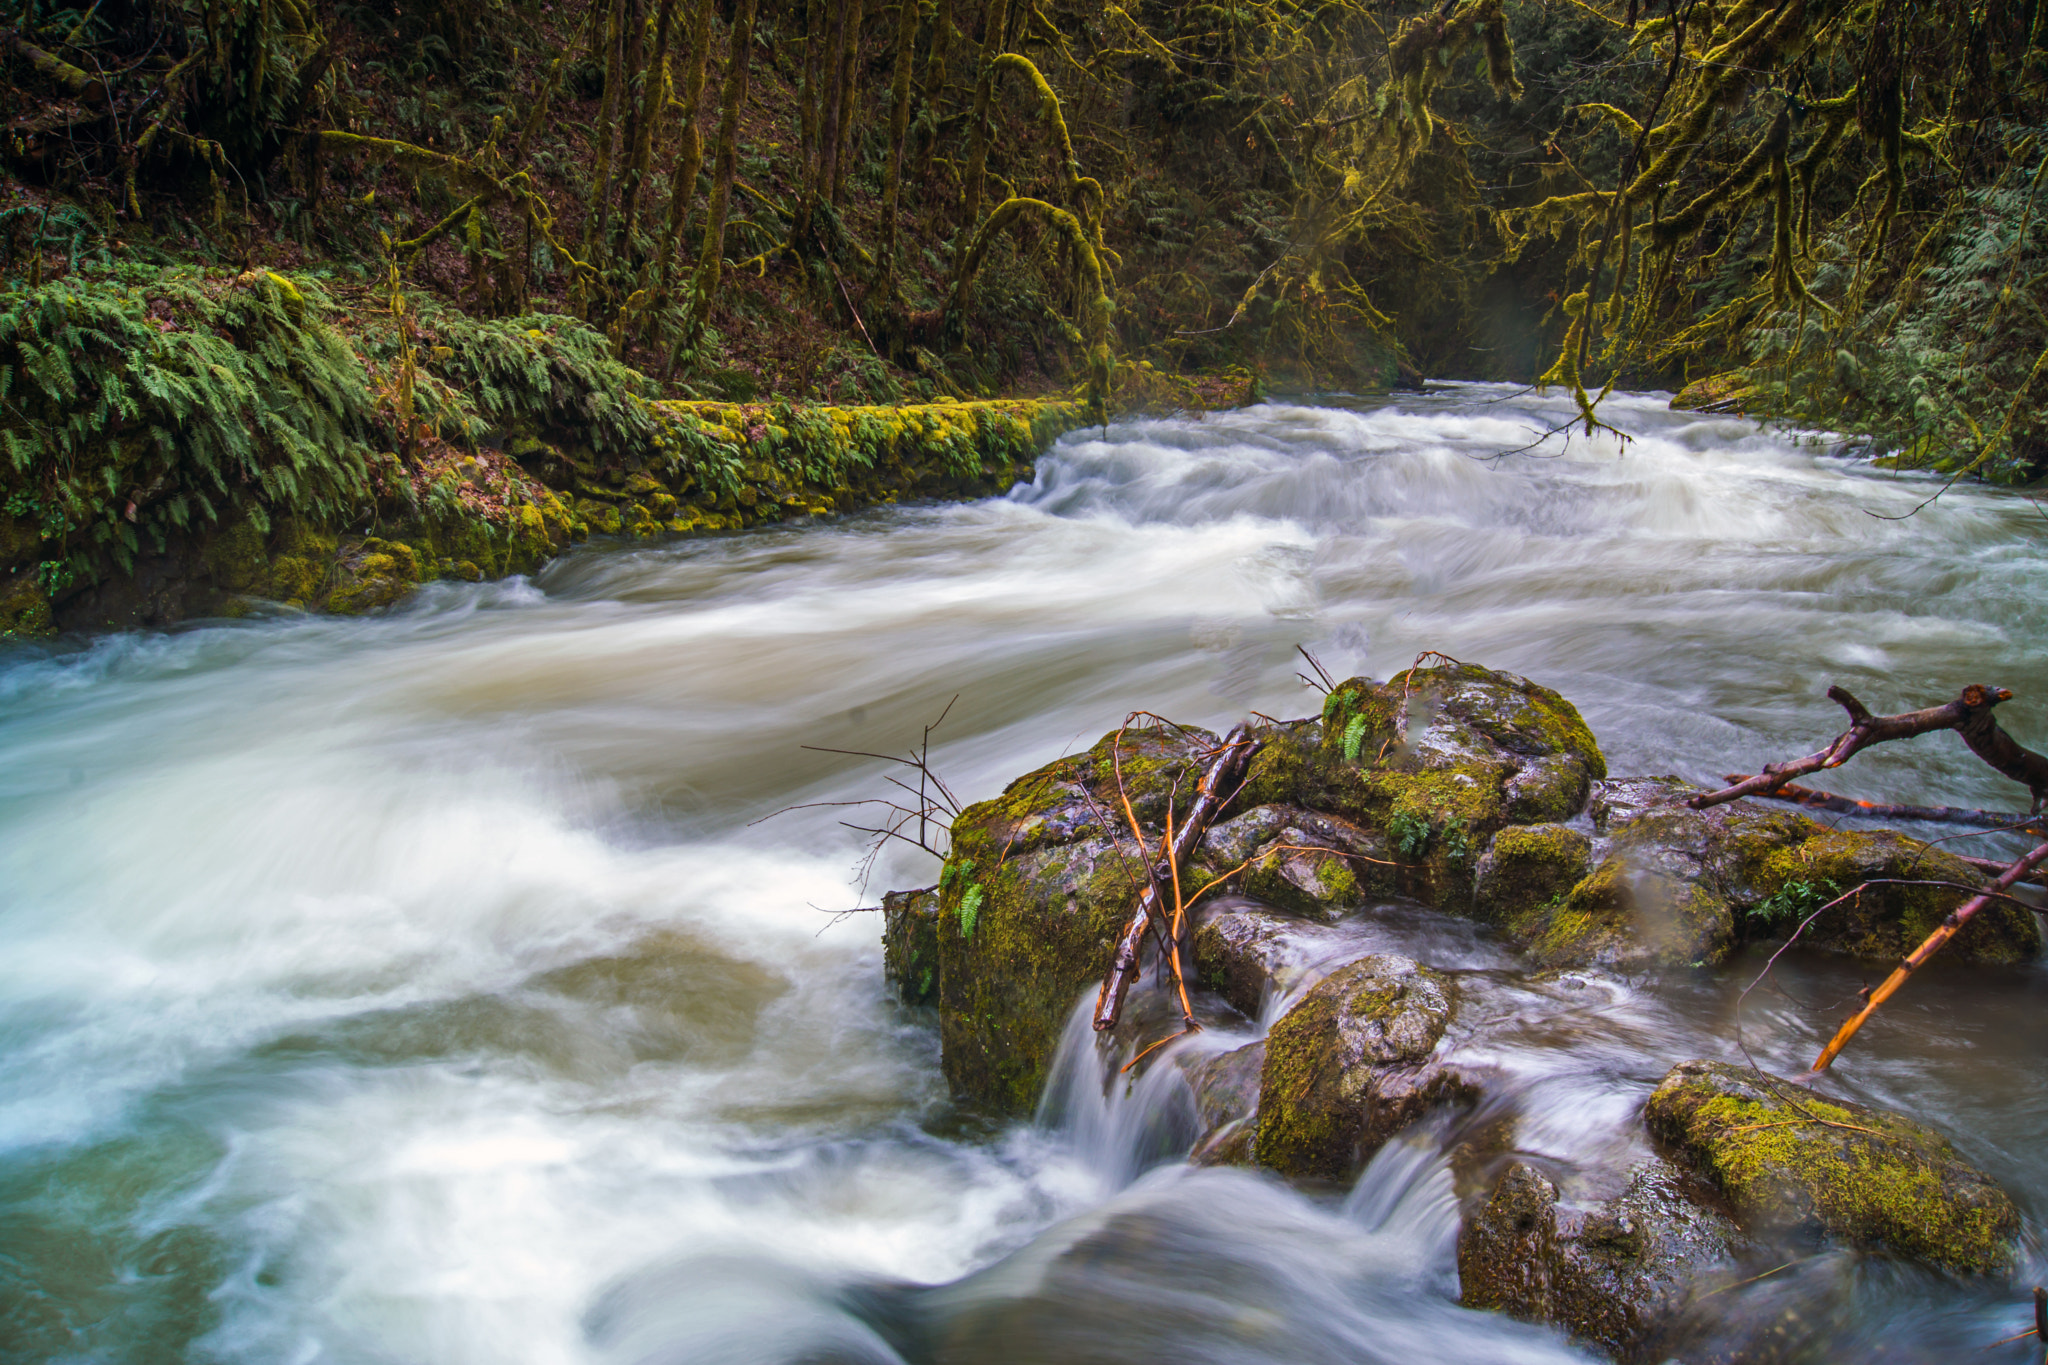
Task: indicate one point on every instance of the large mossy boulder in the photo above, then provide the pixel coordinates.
(1794, 1165)
(1037, 888)
(1353, 1064)
(1617, 1274)
(1682, 887)
(1437, 760)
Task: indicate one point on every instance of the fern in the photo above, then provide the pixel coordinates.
(1354, 737)
(970, 910)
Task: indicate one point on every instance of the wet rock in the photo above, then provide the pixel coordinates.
(1436, 760)
(1302, 861)
(1226, 1088)
(1680, 886)
(1352, 1064)
(1248, 954)
(1039, 884)
(910, 944)
(1528, 866)
(1891, 917)
(1618, 1274)
(1794, 1165)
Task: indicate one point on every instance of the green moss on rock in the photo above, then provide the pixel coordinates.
(1349, 1066)
(1528, 866)
(1793, 1163)
(910, 944)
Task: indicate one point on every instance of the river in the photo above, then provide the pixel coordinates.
(423, 989)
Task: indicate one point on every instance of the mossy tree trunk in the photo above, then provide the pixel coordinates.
(689, 161)
(711, 260)
(899, 129)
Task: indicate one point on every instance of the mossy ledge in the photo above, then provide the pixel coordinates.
(509, 508)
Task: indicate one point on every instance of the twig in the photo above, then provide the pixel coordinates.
(1877, 810)
(1970, 714)
(1225, 769)
(1950, 927)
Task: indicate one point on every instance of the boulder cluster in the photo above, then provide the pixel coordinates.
(1477, 795)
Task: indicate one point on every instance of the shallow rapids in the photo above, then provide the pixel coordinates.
(422, 988)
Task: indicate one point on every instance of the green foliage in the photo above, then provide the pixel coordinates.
(1409, 833)
(970, 909)
(1790, 904)
(1354, 737)
(1457, 841)
(144, 403)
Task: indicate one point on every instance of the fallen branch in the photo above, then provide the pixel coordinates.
(1877, 810)
(1950, 927)
(1218, 785)
(1970, 714)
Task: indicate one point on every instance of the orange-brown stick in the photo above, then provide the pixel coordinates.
(1950, 927)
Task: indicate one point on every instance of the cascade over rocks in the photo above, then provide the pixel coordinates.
(1479, 795)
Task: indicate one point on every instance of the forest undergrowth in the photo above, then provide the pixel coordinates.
(260, 257)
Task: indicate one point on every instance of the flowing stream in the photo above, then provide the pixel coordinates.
(421, 988)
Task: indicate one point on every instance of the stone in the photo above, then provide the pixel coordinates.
(1796, 1166)
(1248, 954)
(1682, 887)
(1033, 897)
(910, 944)
(1352, 1064)
(1528, 866)
(1301, 861)
(1618, 1274)
(1226, 1090)
(1437, 760)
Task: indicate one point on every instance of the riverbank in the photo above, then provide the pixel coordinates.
(491, 511)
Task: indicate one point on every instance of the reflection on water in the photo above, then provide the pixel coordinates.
(416, 989)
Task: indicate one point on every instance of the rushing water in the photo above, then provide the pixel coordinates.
(419, 989)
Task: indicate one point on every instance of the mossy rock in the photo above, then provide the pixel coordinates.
(1302, 861)
(24, 606)
(1526, 867)
(1680, 886)
(1618, 1274)
(375, 573)
(910, 944)
(1884, 922)
(1439, 759)
(1351, 1065)
(1795, 1165)
(1036, 892)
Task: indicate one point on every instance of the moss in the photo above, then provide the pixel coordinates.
(1345, 1069)
(24, 607)
(1528, 866)
(1787, 1159)
(1628, 917)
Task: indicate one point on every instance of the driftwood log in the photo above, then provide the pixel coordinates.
(1162, 874)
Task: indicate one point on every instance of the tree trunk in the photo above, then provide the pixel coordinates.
(835, 101)
(993, 20)
(899, 128)
(849, 104)
(690, 160)
(654, 92)
(711, 262)
(597, 210)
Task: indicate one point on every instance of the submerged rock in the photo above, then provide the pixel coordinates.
(1351, 1065)
(1794, 1165)
(1617, 1274)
